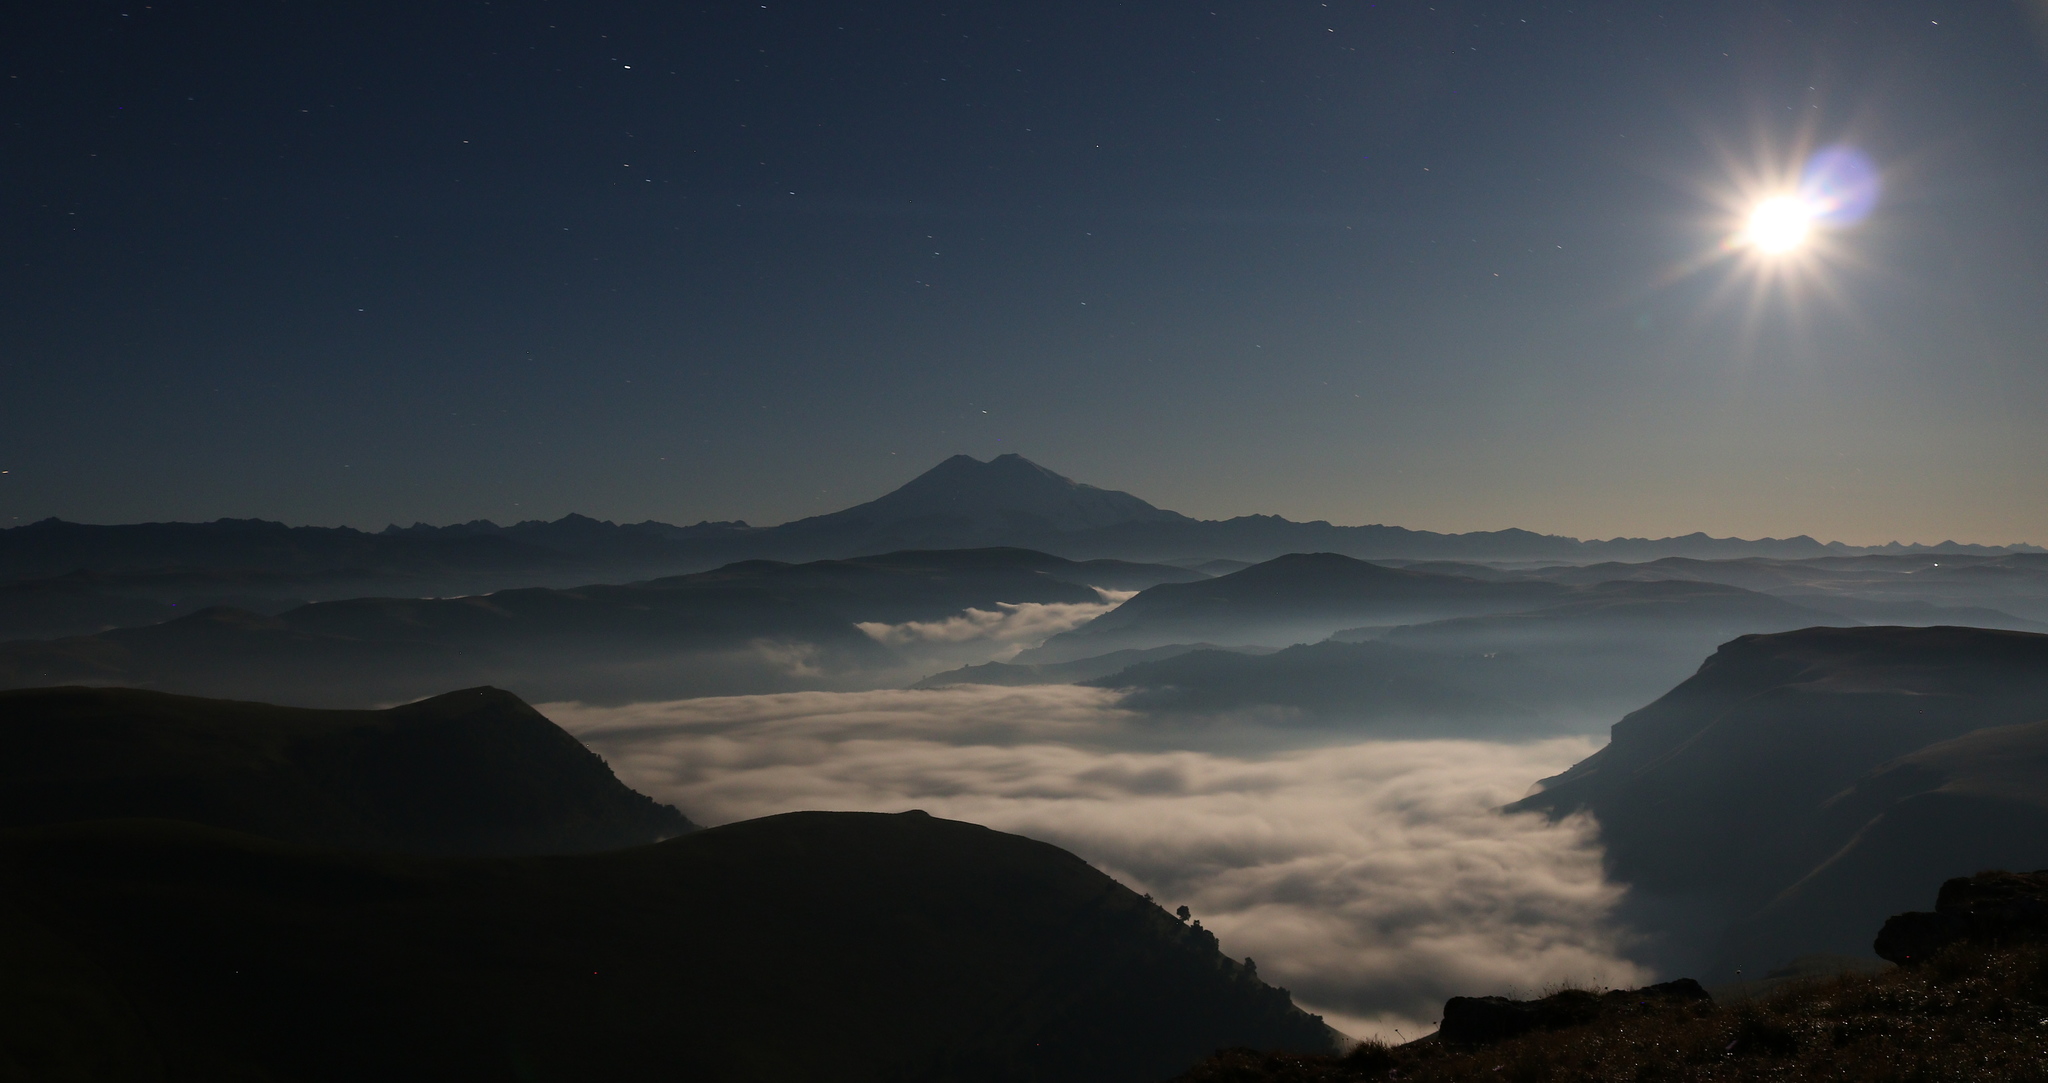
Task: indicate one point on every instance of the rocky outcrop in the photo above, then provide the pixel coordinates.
(1990, 906)
(1484, 1020)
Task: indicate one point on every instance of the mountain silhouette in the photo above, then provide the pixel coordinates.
(807, 946)
(470, 772)
(1007, 496)
(1801, 786)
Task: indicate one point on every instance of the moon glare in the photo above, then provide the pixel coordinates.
(1778, 225)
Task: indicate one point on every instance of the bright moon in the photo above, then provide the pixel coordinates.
(1778, 225)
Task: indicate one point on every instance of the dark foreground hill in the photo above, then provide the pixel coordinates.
(810, 946)
(473, 772)
(1802, 786)
(756, 626)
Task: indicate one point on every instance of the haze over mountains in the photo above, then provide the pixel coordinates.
(1558, 648)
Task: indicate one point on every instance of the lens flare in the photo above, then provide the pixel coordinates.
(1779, 225)
(1839, 185)
(1781, 232)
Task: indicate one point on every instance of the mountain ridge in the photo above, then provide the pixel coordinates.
(959, 503)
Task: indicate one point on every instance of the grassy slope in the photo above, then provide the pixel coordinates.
(1974, 1013)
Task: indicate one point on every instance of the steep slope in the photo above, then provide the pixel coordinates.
(1752, 807)
(809, 946)
(471, 772)
(1979, 801)
(1301, 597)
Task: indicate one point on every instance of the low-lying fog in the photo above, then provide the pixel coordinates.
(1371, 877)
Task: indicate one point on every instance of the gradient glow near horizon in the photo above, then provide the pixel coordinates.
(1366, 263)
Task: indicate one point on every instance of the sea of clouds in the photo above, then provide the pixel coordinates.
(1373, 878)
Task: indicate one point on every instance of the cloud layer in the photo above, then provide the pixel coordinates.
(1371, 878)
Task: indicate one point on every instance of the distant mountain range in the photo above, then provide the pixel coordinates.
(960, 503)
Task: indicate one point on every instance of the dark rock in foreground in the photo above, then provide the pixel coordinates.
(1990, 906)
(1484, 1020)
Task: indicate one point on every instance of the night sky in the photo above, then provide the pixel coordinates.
(1451, 267)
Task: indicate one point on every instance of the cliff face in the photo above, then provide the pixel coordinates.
(1802, 786)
